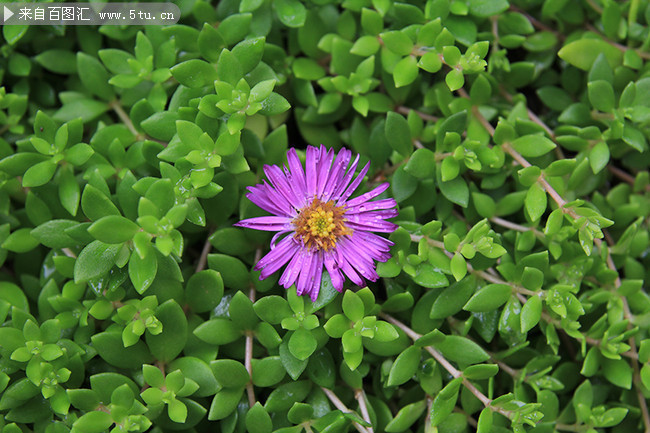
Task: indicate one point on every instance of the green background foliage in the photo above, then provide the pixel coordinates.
(514, 137)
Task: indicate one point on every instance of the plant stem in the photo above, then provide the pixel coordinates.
(117, 107)
(203, 259)
(360, 395)
(491, 277)
(447, 366)
(537, 23)
(248, 357)
(624, 175)
(343, 408)
(517, 227)
(424, 116)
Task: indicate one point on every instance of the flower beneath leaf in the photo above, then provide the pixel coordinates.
(317, 222)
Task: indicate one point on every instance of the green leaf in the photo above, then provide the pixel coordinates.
(618, 372)
(455, 190)
(484, 424)
(365, 46)
(397, 42)
(533, 145)
(486, 8)
(110, 348)
(96, 259)
(583, 52)
(352, 306)
(601, 95)
(302, 344)
(428, 276)
(233, 272)
(535, 201)
(481, 371)
(58, 61)
(258, 420)
(142, 271)
(20, 241)
(406, 417)
(293, 366)
(230, 373)
(292, 13)
(161, 125)
(489, 298)
(398, 133)
(421, 164)
(86, 109)
(445, 402)
(404, 367)
(113, 229)
(249, 52)
(52, 233)
(94, 422)
(218, 331)
(274, 104)
(458, 266)
(170, 342)
(531, 313)
(204, 290)
(94, 77)
(272, 309)
(599, 156)
(241, 311)
(461, 349)
(453, 298)
(194, 73)
(405, 72)
(96, 205)
(39, 174)
(455, 79)
(177, 411)
(224, 403)
(284, 396)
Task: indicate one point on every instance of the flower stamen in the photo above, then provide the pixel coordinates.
(320, 224)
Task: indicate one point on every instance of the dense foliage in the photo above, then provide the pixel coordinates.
(514, 137)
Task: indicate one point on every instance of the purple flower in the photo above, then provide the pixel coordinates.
(321, 225)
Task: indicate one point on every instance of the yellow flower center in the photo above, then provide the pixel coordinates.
(319, 225)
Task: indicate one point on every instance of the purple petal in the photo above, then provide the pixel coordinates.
(347, 269)
(275, 175)
(305, 279)
(297, 178)
(387, 203)
(382, 244)
(310, 171)
(274, 239)
(369, 222)
(336, 174)
(277, 257)
(266, 197)
(361, 263)
(368, 196)
(355, 184)
(266, 223)
(345, 181)
(298, 190)
(292, 270)
(257, 195)
(333, 270)
(325, 165)
(317, 276)
(368, 249)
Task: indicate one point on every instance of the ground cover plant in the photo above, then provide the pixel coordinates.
(509, 293)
